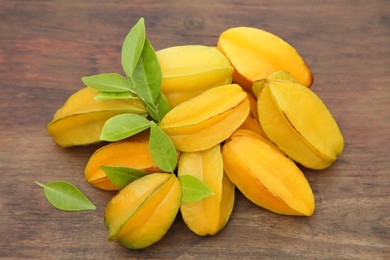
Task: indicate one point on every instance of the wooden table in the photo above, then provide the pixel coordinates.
(47, 46)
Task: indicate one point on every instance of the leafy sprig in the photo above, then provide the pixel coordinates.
(143, 75)
(143, 78)
(142, 81)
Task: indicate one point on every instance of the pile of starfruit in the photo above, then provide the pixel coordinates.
(188, 124)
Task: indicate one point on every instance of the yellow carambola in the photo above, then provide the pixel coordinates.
(209, 215)
(132, 152)
(298, 122)
(207, 119)
(255, 54)
(265, 175)
(80, 120)
(189, 70)
(142, 212)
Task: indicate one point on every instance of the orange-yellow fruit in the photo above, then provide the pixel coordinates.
(80, 120)
(266, 176)
(142, 212)
(298, 122)
(206, 120)
(209, 215)
(132, 153)
(190, 70)
(255, 54)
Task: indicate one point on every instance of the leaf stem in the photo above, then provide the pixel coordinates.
(40, 184)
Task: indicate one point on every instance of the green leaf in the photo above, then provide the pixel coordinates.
(114, 95)
(107, 82)
(159, 109)
(162, 149)
(193, 189)
(162, 105)
(152, 110)
(132, 47)
(122, 126)
(121, 176)
(65, 196)
(147, 76)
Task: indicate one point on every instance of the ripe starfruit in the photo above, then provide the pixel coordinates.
(209, 215)
(142, 212)
(265, 175)
(132, 153)
(80, 120)
(190, 70)
(298, 122)
(207, 119)
(255, 54)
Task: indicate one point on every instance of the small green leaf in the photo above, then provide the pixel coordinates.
(122, 126)
(152, 110)
(132, 47)
(121, 176)
(193, 189)
(147, 75)
(107, 82)
(114, 95)
(162, 149)
(65, 196)
(159, 109)
(162, 105)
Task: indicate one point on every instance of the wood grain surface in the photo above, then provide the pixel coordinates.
(47, 46)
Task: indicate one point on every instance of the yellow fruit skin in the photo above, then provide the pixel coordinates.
(189, 70)
(133, 153)
(252, 121)
(255, 54)
(252, 124)
(142, 212)
(299, 123)
(208, 119)
(266, 176)
(275, 76)
(207, 216)
(80, 120)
